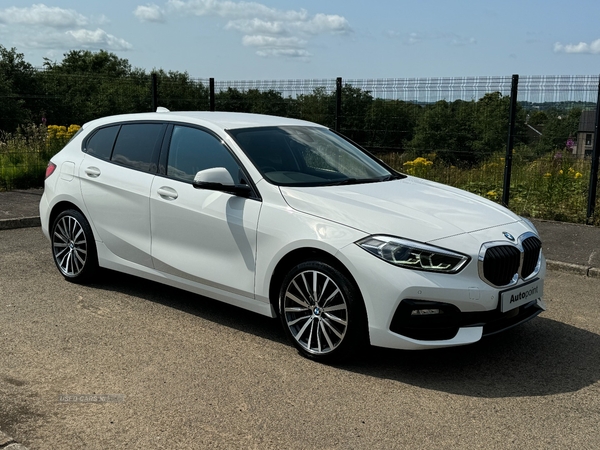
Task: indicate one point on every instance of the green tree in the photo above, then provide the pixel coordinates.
(86, 85)
(78, 62)
(319, 107)
(391, 123)
(267, 102)
(492, 114)
(448, 130)
(537, 118)
(464, 132)
(232, 100)
(355, 107)
(178, 92)
(19, 85)
(253, 101)
(560, 125)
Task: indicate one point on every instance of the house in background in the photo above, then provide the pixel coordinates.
(585, 134)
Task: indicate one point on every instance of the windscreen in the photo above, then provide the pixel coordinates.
(308, 156)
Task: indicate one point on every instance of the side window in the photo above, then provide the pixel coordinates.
(136, 145)
(192, 150)
(101, 143)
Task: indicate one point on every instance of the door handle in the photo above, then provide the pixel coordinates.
(167, 193)
(92, 172)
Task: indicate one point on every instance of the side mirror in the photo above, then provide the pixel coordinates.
(219, 179)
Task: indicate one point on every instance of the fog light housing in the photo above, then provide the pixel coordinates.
(426, 320)
(426, 312)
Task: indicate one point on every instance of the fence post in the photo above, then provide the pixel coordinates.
(338, 103)
(154, 92)
(211, 93)
(512, 118)
(595, 157)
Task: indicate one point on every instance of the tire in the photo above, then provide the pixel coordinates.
(330, 327)
(73, 247)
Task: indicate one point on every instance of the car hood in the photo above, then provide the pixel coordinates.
(411, 207)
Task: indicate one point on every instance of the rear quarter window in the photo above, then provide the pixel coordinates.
(102, 141)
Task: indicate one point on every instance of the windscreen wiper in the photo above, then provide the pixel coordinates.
(347, 181)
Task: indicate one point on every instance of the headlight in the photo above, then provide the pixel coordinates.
(413, 255)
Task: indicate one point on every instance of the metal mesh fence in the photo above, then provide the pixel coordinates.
(552, 163)
(452, 130)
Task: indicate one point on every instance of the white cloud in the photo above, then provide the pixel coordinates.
(582, 47)
(324, 23)
(263, 27)
(236, 10)
(417, 38)
(41, 26)
(73, 39)
(150, 13)
(458, 40)
(41, 14)
(406, 38)
(98, 39)
(269, 41)
(286, 52)
(414, 38)
(256, 26)
(269, 46)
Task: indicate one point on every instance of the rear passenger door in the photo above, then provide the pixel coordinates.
(116, 175)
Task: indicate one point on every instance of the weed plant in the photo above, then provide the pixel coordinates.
(25, 153)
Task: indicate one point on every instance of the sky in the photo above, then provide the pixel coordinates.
(310, 39)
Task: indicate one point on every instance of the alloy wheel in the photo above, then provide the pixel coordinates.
(315, 312)
(70, 246)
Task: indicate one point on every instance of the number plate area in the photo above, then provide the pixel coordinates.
(521, 295)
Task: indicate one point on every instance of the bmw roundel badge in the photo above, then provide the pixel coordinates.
(508, 236)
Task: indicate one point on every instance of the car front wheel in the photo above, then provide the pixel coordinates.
(73, 247)
(322, 312)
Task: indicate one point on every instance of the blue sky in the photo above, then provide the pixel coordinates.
(276, 39)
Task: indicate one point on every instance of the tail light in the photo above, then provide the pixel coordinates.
(50, 169)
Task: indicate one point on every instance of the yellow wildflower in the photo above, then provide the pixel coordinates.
(578, 175)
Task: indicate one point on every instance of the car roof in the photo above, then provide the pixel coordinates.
(223, 120)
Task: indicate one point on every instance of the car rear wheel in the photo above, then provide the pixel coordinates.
(73, 247)
(322, 312)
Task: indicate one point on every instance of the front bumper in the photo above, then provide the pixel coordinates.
(471, 306)
(446, 325)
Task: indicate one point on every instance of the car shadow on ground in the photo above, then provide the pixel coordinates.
(540, 357)
(198, 305)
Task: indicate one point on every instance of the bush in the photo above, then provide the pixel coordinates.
(25, 153)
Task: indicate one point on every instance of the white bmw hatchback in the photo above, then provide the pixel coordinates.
(289, 219)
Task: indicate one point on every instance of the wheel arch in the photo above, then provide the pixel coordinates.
(301, 255)
(61, 206)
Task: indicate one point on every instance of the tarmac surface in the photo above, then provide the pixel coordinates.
(568, 247)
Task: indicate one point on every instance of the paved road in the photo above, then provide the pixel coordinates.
(195, 373)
